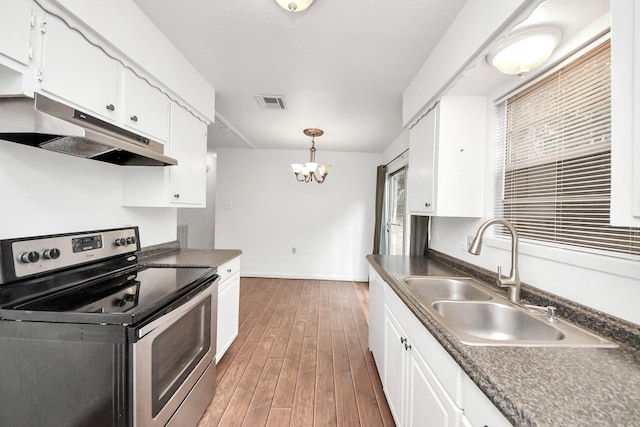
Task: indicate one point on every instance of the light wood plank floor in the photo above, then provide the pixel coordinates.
(300, 359)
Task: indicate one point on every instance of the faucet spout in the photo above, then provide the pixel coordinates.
(513, 281)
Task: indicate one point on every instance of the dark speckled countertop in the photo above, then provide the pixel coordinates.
(171, 255)
(535, 386)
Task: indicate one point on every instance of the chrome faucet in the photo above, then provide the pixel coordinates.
(513, 281)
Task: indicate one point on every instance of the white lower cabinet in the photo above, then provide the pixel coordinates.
(424, 386)
(415, 396)
(228, 305)
(376, 319)
(422, 383)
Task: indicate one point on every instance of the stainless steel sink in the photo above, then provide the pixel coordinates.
(495, 322)
(429, 289)
(477, 315)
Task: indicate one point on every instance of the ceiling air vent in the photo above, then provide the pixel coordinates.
(271, 102)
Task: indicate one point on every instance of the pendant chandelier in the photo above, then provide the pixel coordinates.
(311, 171)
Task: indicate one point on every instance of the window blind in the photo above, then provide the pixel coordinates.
(555, 144)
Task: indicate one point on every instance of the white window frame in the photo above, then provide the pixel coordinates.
(402, 161)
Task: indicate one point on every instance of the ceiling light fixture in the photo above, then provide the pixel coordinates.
(525, 50)
(294, 5)
(307, 172)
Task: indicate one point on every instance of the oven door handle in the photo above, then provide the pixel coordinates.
(172, 316)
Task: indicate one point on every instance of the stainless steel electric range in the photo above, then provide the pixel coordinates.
(90, 338)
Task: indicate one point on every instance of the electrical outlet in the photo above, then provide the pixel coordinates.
(469, 240)
(293, 250)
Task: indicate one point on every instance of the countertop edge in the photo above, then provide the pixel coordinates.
(170, 254)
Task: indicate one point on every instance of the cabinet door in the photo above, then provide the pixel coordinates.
(188, 181)
(78, 72)
(395, 367)
(428, 403)
(15, 22)
(146, 109)
(376, 320)
(625, 108)
(422, 165)
(228, 311)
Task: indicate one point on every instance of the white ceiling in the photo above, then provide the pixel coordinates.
(341, 66)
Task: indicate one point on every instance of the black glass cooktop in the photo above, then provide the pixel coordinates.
(123, 298)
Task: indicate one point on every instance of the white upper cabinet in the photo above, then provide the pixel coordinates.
(446, 159)
(182, 185)
(17, 20)
(146, 108)
(422, 174)
(81, 74)
(625, 108)
(188, 181)
(75, 71)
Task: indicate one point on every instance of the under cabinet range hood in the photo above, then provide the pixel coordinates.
(48, 124)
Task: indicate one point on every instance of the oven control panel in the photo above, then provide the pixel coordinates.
(24, 257)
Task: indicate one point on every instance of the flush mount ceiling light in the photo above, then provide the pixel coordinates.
(294, 5)
(311, 170)
(525, 50)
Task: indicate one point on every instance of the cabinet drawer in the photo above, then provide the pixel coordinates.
(228, 269)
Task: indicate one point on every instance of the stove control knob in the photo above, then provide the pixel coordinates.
(28, 257)
(120, 242)
(131, 240)
(53, 253)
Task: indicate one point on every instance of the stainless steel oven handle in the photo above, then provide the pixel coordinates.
(175, 314)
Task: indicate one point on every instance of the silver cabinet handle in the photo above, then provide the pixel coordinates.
(111, 107)
(134, 118)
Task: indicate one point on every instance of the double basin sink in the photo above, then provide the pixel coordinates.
(476, 315)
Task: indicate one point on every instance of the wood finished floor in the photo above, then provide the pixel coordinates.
(301, 358)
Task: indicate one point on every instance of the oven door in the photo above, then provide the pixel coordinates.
(169, 358)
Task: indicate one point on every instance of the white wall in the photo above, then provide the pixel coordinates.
(262, 210)
(44, 193)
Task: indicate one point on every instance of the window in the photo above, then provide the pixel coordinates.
(397, 211)
(556, 143)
